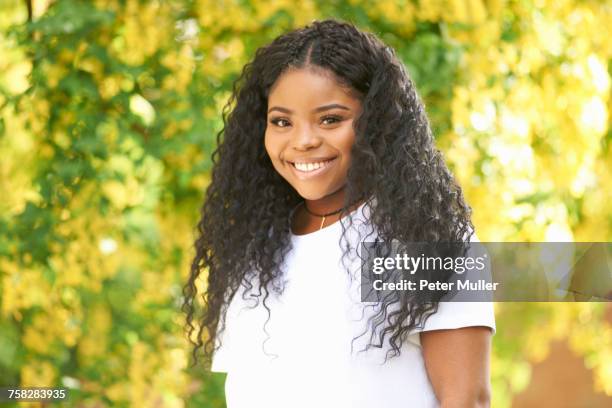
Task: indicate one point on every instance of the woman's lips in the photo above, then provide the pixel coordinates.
(304, 174)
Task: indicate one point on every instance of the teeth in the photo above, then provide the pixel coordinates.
(310, 166)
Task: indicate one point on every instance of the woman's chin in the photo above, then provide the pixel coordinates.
(312, 194)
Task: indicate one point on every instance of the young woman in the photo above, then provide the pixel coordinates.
(328, 145)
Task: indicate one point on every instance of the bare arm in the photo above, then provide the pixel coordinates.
(457, 363)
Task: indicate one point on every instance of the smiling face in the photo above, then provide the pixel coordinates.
(309, 132)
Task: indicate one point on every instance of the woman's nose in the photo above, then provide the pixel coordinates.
(306, 137)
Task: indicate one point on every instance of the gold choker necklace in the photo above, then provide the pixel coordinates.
(321, 215)
(324, 216)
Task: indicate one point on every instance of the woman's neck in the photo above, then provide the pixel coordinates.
(305, 222)
(328, 204)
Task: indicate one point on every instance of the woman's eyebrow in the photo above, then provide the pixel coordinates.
(319, 109)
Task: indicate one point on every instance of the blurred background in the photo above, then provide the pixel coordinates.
(108, 116)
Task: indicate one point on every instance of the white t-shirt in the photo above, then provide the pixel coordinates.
(303, 358)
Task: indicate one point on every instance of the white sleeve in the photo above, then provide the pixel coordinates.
(238, 331)
(221, 356)
(455, 315)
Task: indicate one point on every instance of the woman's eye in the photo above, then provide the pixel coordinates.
(333, 118)
(276, 122)
(282, 123)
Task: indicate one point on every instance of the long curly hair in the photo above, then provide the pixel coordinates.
(247, 206)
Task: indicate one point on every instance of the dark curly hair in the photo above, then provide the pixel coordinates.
(246, 212)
